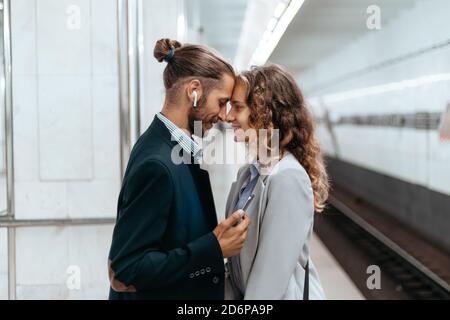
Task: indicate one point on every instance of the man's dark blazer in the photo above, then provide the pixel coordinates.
(162, 243)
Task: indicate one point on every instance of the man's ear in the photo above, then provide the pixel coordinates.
(194, 85)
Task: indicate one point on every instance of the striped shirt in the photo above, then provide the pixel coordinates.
(178, 135)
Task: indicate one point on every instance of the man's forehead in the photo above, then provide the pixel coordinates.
(223, 94)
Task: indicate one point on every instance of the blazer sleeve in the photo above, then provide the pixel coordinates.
(136, 255)
(286, 222)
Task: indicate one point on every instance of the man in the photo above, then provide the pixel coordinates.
(166, 242)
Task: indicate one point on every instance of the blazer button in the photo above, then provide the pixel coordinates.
(191, 275)
(215, 280)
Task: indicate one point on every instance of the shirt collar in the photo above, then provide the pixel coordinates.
(178, 135)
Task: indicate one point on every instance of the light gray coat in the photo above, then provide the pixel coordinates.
(278, 241)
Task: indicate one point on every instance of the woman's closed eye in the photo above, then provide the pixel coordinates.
(237, 106)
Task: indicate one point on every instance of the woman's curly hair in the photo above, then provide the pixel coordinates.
(275, 100)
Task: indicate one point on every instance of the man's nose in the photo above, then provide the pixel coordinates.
(223, 113)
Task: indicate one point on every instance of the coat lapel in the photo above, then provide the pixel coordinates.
(235, 190)
(254, 210)
(203, 184)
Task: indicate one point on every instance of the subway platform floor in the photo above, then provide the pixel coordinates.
(335, 281)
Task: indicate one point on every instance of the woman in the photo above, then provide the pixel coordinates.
(274, 262)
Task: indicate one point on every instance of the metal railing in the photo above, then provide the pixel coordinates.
(21, 223)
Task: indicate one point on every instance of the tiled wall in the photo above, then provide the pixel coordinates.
(66, 121)
(3, 265)
(66, 142)
(46, 256)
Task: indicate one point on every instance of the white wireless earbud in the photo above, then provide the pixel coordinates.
(195, 99)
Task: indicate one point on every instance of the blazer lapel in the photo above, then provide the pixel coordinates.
(203, 183)
(235, 190)
(255, 209)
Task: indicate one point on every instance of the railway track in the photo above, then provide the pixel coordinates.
(407, 272)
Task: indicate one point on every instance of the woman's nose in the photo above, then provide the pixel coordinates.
(230, 115)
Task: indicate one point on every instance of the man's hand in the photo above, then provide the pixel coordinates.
(231, 236)
(116, 285)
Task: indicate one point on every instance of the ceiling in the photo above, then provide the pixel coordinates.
(320, 27)
(217, 23)
(323, 26)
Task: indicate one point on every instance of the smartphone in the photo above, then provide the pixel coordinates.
(247, 203)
